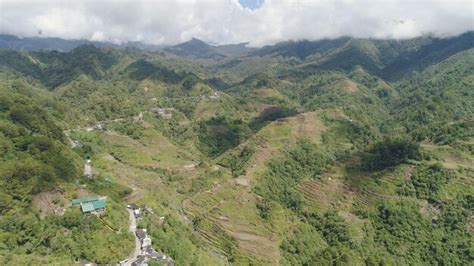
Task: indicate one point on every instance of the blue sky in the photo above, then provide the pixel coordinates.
(251, 4)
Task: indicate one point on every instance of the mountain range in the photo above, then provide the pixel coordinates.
(341, 151)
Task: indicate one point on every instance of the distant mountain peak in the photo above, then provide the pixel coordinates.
(194, 42)
(194, 39)
(199, 49)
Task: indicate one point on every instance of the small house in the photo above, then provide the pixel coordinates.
(161, 256)
(146, 242)
(79, 201)
(94, 205)
(214, 96)
(152, 254)
(137, 213)
(141, 234)
(141, 261)
(133, 206)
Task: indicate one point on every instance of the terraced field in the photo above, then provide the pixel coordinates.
(216, 208)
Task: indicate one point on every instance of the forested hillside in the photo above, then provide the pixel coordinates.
(331, 152)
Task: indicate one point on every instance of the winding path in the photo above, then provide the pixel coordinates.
(132, 221)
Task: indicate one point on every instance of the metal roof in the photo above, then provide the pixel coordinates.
(141, 234)
(94, 205)
(87, 207)
(99, 204)
(83, 200)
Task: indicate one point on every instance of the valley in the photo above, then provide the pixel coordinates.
(335, 152)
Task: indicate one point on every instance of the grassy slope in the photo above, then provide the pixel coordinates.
(169, 173)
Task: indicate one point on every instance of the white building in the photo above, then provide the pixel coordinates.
(146, 242)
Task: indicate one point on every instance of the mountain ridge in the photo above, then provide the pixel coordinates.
(327, 160)
(198, 49)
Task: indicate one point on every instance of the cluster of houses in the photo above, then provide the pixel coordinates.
(213, 96)
(91, 205)
(139, 211)
(96, 205)
(146, 249)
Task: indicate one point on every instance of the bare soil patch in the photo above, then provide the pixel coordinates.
(50, 202)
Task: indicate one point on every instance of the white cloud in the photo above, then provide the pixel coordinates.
(226, 21)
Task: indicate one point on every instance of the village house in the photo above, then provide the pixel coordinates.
(132, 206)
(141, 234)
(137, 211)
(145, 240)
(152, 254)
(214, 96)
(141, 261)
(94, 205)
(163, 112)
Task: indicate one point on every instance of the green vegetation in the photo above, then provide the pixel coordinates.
(219, 134)
(345, 151)
(391, 153)
(35, 155)
(237, 162)
(305, 161)
(180, 243)
(401, 225)
(37, 159)
(128, 128)
(426, 182)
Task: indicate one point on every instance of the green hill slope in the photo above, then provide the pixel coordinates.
(345, 151)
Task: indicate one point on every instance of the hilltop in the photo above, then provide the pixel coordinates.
(351, 151)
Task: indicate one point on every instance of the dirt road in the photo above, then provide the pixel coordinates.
(133, 227)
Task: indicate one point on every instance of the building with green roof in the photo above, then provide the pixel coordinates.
(99, 204)
(91, 204)
(87, 207)
(83, 200)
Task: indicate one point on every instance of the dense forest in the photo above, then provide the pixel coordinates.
(333, 152)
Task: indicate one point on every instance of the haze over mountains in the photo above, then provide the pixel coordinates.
(382, 57)
(58, 44)
(236, 132)
(199, 49)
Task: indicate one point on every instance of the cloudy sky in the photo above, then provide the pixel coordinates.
(259, 22)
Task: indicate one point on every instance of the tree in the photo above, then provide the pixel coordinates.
(391, 152)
